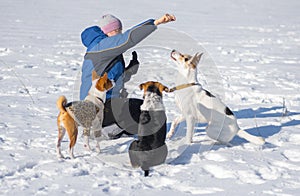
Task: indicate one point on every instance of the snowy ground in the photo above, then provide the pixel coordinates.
(251, 61)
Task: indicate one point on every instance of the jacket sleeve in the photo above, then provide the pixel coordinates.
(116, 45)
(110, 47)
(86, 79)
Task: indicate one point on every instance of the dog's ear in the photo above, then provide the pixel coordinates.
(103, 83)
(95, 75)
(196, 59)
(108, 84)
(105, 76)
(142, 86)
(166, 89)
(163, 88)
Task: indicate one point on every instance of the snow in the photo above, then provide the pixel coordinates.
(251, 61)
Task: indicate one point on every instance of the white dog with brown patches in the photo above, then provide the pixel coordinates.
(199, 105)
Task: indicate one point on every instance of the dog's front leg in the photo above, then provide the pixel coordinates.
(97, 129)
(86, 136)
(97, 136)
(174, 124)
(190, 125)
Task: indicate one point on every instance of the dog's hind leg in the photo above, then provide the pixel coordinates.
(73, 138)
(174, 124)
(61, 134)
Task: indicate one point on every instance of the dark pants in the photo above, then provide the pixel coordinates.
(125, 112)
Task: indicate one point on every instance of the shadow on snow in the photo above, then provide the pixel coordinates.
(286, 120)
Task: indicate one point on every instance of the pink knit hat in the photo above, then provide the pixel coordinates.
(109, 23)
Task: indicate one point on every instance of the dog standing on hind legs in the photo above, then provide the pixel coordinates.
(199, 105)
(87, 113)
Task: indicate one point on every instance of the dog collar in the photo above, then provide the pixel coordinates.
(101, 100)
(96, 100)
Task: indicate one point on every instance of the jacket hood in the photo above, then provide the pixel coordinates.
(91, 36)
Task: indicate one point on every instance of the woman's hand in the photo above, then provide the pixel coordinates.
(165, 19)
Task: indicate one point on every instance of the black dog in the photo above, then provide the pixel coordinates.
(150, 148)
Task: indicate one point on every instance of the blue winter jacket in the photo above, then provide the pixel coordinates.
(102, 50)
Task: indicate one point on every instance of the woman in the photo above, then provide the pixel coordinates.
(105, 46)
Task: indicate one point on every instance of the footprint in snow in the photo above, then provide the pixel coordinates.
(4, 51)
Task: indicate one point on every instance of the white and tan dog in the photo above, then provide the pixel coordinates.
(87, 113)
(199, 105)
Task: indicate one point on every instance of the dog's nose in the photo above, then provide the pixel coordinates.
(173, 51)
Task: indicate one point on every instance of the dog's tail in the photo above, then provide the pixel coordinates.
(251, 138)
(60, 103)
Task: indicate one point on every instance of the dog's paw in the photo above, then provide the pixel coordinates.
(169, 135)
(188, 141)
(60, 156)
(98, 150)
